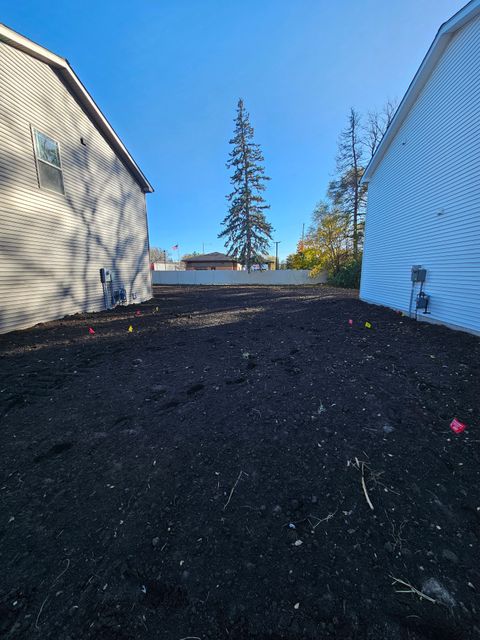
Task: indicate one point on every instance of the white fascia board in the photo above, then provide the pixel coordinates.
(438, 46)
(62, 65)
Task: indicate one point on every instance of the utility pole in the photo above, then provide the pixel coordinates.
(303, 232)
(276, 255)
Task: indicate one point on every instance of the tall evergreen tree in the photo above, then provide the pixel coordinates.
(247, 232)
(346, 192)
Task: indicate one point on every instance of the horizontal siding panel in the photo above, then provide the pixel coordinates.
(432, 164)
(52, 246)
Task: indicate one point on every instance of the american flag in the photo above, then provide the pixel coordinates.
(175, 247)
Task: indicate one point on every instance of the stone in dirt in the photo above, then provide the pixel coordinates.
(159, 388)
(449, 555)
(433, 588)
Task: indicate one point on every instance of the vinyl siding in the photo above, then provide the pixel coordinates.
(51, 245)
(432, 166)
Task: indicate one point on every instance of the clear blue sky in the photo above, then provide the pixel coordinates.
(168, 73)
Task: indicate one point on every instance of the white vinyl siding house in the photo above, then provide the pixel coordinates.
(424, 185)
(72, 200)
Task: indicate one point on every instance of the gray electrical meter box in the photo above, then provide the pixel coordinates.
(418, 274)
(105, 275)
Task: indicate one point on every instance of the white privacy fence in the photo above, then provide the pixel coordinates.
(283, 276)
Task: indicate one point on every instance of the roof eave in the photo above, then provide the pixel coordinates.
(438, 46)
(63, 67)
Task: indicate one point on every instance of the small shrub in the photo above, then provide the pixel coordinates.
(347, 276)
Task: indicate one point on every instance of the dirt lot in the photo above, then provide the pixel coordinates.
(201, 476)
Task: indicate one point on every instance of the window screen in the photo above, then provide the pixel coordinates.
(48, 162)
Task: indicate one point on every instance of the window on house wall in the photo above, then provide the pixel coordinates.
(49, 166)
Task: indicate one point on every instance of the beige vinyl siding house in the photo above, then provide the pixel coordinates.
(72, 200)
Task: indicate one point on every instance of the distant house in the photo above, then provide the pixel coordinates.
(212, 261)
(168, 266)
(267, 264)
(423, 208)
(72, 199)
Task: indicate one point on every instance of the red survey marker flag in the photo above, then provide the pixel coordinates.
(456, 426)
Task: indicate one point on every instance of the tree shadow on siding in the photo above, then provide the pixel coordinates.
(99, 222)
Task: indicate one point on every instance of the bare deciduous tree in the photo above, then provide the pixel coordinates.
(159, 255)
(377, 124)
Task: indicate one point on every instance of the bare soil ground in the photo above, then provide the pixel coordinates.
(201, 476)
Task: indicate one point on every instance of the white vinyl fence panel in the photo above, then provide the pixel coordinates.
(281, 277)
